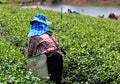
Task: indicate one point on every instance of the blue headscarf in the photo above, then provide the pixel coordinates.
(38, 28)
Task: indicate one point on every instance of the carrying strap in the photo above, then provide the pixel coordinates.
(53, 52)
(58, 48)
(52, 38)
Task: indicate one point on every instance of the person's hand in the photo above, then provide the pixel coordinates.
(49, 50)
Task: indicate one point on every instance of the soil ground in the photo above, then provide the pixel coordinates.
(74, 2)
(88, 2)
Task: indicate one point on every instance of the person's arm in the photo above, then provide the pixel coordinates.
(31, 50)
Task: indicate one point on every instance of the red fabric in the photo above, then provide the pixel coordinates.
(112, 16)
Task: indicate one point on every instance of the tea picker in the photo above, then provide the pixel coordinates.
(44, 53)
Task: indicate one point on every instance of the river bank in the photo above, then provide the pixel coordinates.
(69, 2)
(87, 2)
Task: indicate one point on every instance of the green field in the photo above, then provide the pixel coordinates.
(92, 46)
(15, 0)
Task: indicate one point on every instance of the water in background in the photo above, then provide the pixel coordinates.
(86, 10)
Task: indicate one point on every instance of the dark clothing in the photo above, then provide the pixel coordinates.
(55, 66)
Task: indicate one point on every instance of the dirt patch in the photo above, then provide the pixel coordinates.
(90, 2)
(26, 3)
(72, 2)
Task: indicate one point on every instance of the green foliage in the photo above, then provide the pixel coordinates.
(12, 70)
(92, 45)
(54, 1)
(15, 0)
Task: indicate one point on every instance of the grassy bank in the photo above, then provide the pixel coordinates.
(92, 46)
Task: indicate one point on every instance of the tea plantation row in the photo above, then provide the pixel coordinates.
(92, 46)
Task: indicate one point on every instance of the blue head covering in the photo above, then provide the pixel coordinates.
(40, 18)
(39, 25)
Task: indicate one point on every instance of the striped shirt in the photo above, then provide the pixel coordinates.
(42, 43)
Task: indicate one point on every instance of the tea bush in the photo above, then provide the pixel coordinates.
(12, 70)
(92, 46)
